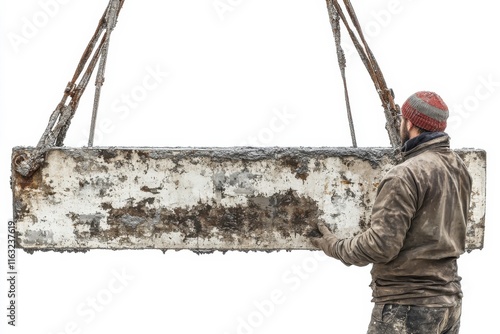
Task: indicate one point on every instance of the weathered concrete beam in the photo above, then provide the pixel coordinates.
(206, 199)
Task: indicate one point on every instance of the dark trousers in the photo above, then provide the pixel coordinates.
(404, 319)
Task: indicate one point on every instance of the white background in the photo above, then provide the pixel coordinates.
(221, 76)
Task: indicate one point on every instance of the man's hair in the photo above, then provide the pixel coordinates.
(421, 130)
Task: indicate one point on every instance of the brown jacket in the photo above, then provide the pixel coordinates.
(418, 227)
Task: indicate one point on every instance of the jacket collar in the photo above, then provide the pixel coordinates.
(425, 141)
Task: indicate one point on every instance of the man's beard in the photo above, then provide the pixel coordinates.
(403, 132)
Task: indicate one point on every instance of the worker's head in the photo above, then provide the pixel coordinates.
(423, 112)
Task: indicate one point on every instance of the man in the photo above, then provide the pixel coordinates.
(418, 228)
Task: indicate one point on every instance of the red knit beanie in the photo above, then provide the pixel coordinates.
(426, 110)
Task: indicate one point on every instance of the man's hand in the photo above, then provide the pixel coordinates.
(327, 241)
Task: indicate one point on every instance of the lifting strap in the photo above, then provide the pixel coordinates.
(335, 22)
(111, 17)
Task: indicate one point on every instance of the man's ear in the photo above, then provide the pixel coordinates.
(409, 125)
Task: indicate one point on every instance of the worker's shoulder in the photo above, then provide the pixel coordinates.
(426, 165)
(424, 162)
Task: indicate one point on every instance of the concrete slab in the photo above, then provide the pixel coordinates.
(206, 199)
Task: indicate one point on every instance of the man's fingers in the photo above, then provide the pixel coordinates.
(323, 229)
(316, 242)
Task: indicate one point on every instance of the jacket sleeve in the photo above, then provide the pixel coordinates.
(392, 213)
